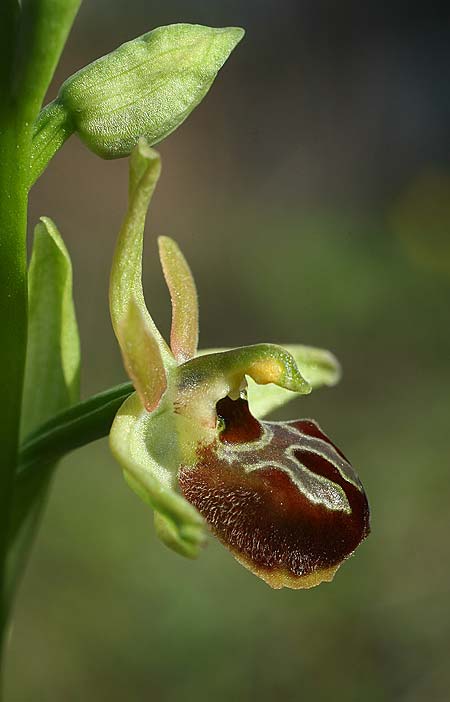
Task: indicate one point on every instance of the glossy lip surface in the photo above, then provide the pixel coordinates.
(280, 496)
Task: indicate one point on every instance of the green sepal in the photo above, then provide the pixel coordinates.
(147, 447)
(145, 354)
(318, 367)
(146, 87)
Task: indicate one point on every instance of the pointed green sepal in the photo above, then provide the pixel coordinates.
(146, 445)
(145, 353)
(142, 357)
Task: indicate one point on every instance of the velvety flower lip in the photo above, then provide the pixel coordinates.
(191, 441)
(280, 496)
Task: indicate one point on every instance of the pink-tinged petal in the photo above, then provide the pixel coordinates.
(183, 294)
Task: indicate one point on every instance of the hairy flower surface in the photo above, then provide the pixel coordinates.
(280, 495)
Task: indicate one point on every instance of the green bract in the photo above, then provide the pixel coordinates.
(53, 349)
(173, 411)
(147, 87)
(52, 373)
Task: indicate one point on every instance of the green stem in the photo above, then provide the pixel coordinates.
(13, 313)
(13, 301)
(15, 141)
(32, 35)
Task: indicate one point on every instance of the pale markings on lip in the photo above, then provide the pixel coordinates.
(229, 451)
(316, 488)
(326, 450)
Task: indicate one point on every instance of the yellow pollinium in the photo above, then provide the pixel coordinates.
(266, 371)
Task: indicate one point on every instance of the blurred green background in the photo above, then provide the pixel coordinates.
(311, 194)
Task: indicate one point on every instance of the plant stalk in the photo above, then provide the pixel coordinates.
(14, 152)
(32, 35)
(15, 145)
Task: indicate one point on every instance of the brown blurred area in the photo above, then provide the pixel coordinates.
(311, 194)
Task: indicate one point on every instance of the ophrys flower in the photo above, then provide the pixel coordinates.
(280, 495)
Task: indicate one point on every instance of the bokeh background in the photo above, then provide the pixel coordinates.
(311, 194)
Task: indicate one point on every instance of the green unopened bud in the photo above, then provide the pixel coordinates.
(147, 87)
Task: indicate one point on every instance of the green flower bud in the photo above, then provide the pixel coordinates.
(146, 87)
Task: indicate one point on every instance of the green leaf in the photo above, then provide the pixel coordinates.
(51, 376)
(147, 447)
(147, 87)
(145, 353)
(44, 28)
(53, 351)
(76, 426)
(183, 294)
(318, 366)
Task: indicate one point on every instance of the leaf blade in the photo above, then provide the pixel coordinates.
(53, 351)
(51, 379)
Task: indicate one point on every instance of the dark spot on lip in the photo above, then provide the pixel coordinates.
(240, 425)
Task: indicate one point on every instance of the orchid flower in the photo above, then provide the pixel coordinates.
(191, 441)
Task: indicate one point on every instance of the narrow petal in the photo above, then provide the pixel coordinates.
(183, 294)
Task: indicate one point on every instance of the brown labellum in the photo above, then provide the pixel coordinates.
(280, 496)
